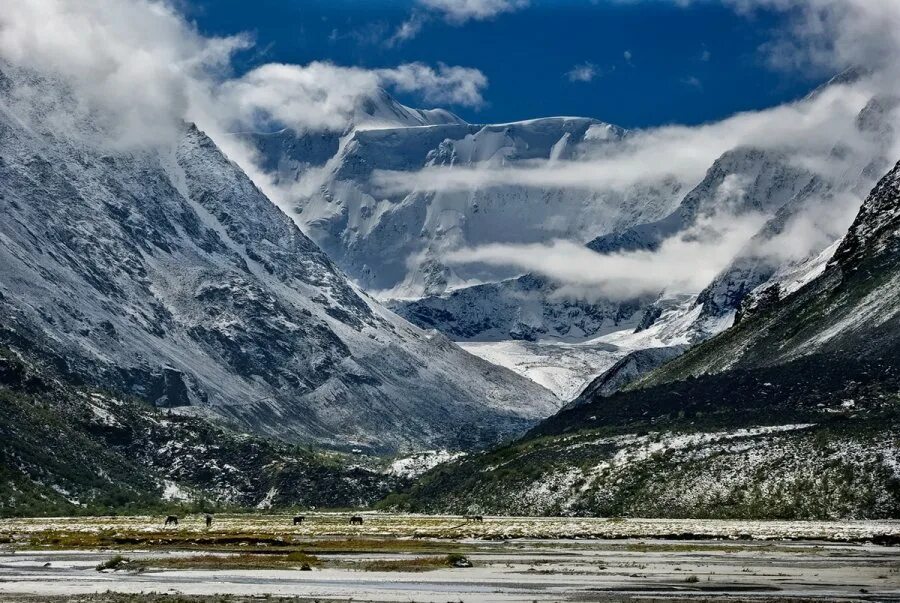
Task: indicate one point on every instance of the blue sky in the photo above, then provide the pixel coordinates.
(653, 62)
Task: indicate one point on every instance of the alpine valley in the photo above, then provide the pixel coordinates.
(314, 335)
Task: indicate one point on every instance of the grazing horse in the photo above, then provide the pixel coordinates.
(477, 518)
(208, 520)
(298, 519)
(171, 520)
(356, 520)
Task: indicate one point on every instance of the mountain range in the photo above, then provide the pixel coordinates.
(166, 274)
(188, 340)
(792, 413)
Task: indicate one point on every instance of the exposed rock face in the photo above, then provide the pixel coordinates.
(167, 274)
(526, 308)
(626, 371)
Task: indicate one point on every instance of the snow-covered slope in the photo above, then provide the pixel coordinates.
(393, 240)
(167, 274)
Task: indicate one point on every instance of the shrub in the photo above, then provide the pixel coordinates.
(114, 563)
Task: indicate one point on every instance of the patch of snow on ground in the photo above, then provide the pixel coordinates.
(172, 491)
(266, 503)
(417, 464)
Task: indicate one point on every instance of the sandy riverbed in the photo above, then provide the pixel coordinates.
(779, 561)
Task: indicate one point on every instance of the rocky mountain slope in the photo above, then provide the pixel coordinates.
(166, 274)
(526, 308)
(793, 413)
(115, 454)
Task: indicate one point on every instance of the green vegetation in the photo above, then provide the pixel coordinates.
(413, 564)
(115, 563)
(840, 467)
(293, 560)
(112, 455)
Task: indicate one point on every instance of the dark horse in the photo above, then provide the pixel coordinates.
(171, 520)
(356, 520)
(208, 520)
(477, 518)
(298, 519)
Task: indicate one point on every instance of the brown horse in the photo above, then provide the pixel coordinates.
(298, 519)
(476, 518)
(208, 520)
(356, 520)
(171, 520)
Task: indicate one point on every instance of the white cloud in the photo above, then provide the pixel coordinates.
(809, 129)
(409, 29)
(834, 34)
(684, 263)
(138, 61)
(446, 84)
(323, 96)
(693, 81)
(142, 69)
(584, 72)
(455, 12)
(460, 11)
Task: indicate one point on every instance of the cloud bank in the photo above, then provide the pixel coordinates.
(686, 262)
(143, 69)
(809, 129)
(323, 96)
(584, 72)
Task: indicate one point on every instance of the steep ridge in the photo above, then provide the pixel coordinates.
(756, 267)
(168, 275)
(850, 309)
(626, 371)
(792, 413)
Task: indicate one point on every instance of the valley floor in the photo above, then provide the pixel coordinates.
(394, 557)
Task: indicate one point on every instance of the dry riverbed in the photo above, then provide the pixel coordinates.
(395, 557)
